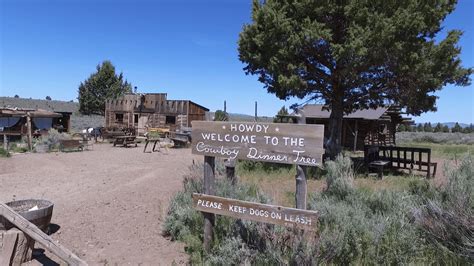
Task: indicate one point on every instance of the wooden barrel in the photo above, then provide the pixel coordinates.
(41, 217)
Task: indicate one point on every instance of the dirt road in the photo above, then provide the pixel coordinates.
(110, 203)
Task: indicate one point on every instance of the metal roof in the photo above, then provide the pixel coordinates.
(318, 111)
(8, 112)
(35, 104)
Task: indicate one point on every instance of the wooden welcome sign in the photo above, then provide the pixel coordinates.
(297, 144)
(256, 211)
(267, 142)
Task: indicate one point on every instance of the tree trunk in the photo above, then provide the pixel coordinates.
(333, 146)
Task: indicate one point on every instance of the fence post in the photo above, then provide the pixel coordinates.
(301, 187)
(230, 171)
(28, 127)
(5, 142)
(301, 182)
(209, 189)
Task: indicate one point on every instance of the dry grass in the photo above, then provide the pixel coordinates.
(281, 185)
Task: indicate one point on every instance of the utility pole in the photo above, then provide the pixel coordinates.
(256, 117)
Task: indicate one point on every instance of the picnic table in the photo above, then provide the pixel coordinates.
(154, 141)
(125, 141)
(70, 144)
(181, 139)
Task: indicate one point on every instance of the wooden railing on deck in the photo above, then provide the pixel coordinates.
(410, 158)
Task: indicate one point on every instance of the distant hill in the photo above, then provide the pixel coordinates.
(233, 117)
(451, 124)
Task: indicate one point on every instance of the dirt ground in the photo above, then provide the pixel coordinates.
(110, 202)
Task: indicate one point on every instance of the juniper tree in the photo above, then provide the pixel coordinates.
(438, 128)
(221, 116)
(353, 54)
(100, 86)
(401, 128)
(427, 127)
(456, 128)
(280, 116)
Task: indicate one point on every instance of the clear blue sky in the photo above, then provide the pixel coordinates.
(185, 48)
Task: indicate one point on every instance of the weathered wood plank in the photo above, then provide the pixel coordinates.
(230, 171)
(246, 210)
(15, 247)
(269, 142)
(209, 187)
(301, 195)
(40, 237)
(8, 248)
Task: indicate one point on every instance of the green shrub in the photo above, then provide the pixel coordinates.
(366, 227)
(19, 147)
(339, 177)
(51, 140)
(424, 225)
(447, 222)
(265, 167)
(4, 153)
(186, 224)
(422, 188)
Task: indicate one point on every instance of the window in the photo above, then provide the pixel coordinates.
(119, 118)
(136, 119)
(170, 120)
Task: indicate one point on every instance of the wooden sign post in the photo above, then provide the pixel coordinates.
(209, 188)
(297, 144)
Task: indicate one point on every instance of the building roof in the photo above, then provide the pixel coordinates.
(8, 112)
(200, 106)
(35, 104)
(318, 111)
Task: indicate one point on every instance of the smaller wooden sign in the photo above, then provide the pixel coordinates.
(256, 211)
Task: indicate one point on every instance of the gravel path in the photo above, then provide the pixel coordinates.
(110, 203)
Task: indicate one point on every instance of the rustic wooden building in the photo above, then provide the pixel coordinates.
(62, 122)
(18, 123)
(151, 110)
(362, 127)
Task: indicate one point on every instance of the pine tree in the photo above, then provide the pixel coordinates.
(280, 116)
(419, 128)
(445, 129)
(467, 130)
(427, 127)
(401, 128)
(353, 54)
(220, 115)
(438, 128)
(456, 128)
(100, 86)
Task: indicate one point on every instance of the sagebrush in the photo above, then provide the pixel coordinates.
(356, 225)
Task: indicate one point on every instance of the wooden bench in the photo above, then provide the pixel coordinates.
(70, 144)
(180, 142)
(379, 165)
(410, 158)
(125, 141)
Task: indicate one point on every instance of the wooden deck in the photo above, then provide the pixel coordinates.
(411, 158)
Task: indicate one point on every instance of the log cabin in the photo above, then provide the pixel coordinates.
(151, 110)
(361, 127)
